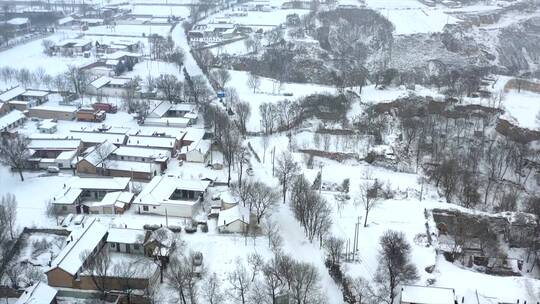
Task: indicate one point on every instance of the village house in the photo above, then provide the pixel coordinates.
(79, 190)
(172, 144)
(12, 94)
(36, 96)
(165, 109)
(111, 86)
(66, 21)
(47, 126)
(112, 203)
(70, 268)
(171, 196)
(94, 158)
(127, 240)
(172, 122)
(53, 152)
(413, 294)
(143, 155)
(91, 138)
(197, 152)
(19, 26)
(11, 120)
(123, 56)
(116, 45)
(53, 112)
(234, 220)
(71, 47)
(39, 293)
(20, 105)
(100, 160)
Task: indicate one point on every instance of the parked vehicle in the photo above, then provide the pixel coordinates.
(107, 107)
(53, 169)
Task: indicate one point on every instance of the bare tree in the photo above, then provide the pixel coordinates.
(368, 196)
(268, 115)
(230, 146)
(183, 278)
(286, 169)
(77, 79)
(8, 213)
(170, 87)
(263, 198)
(253, 82)
(240, 282)
(243, 111)
(395, 266)
(14, 152)
(212, 290)
(334, 248)
(98, 266)
(221, 77)
(305, 283)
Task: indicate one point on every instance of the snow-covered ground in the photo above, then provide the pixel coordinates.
(523, 108)
(269, 92)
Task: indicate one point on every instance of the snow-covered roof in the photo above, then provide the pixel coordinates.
(122, 81)
(10, 118)
(11, 94)
(161, 109)
(72, 256)
(191, 115)
(18, 21)
(35, 93)
(99, 183)
(161, 188)
(156, 154)
(167, 121)
(112, 62)
(39, 293)
(427, 295)
(203, 146)
(67, 197)
(194, 134)
(163, 236)
(151, 141)
(66, 155)
(99, 153)
(98, 137)
(233, 214)
(65, 20)
(73, 42)
(177, 133)
(184, 107)
(100, 82)
(54, 144)
(134, 166)
(47, 124)
(120, 54)
(126, 236)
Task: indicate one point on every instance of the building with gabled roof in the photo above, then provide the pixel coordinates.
(12, 94)
(79, 190)
(234, 220)
(66, 268)
(172, 196)
(11, 120)
(39, 293)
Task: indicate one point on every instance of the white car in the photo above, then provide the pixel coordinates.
(53, 169)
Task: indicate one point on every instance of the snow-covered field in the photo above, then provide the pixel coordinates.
(523, 108)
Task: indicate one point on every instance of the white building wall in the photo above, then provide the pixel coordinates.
(177, 210)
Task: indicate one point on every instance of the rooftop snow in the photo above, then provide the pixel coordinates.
(177, 133)
(54, 144)
(134, 166)
(161, 188)
(10, 118)
(194, 134)
(18, 21)
(126, 236)
(166, 121)
(100, 82)
(161, 109)
(151, 141)
(39, 293)
(142, 152)
(233, 214)
(99, 153)
(35, 93)
(70, 259)
(65, 20)
(98, 137)
(427, 295)
(11, 94)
